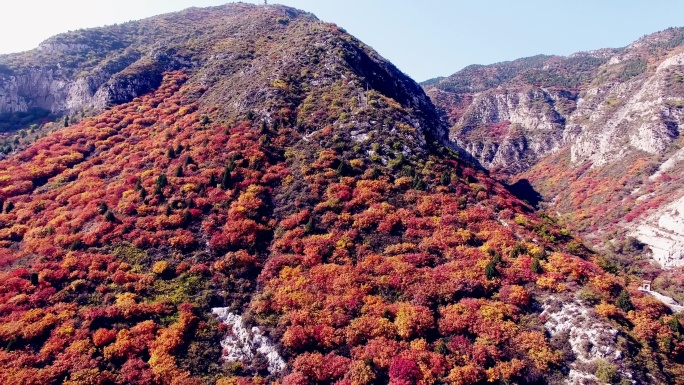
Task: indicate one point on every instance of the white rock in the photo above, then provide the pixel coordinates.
(590, 337)
(242, 344)
(663, 232)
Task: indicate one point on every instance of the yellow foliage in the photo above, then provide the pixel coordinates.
(361, 374)
(606, 310)
(404, 182)
(160, 267)
(495, 311)
(356, 163)
(548, 283)
(419, 345)
(505, 370)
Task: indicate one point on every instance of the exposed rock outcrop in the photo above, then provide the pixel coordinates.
(512, 128)
(591, 339)
(602, 104)
(663, 233)
(243, 344)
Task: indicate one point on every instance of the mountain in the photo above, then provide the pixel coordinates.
(596, 133)
(254, 195)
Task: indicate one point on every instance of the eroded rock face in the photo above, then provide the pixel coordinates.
(618, 118)
(595, 133)
(512, 128)
(591, 338)
(663, 233)
(58, 91)
(243, 344)
(44, 88)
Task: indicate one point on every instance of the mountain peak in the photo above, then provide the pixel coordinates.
(269, 61)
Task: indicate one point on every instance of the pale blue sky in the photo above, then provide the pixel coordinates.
(424, 38)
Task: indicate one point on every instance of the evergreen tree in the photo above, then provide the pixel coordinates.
(445, 179)
(109, 217)
(162, 181)
(536, 266)
(179, 172)
(624, 301)
(225, 178)
(442, 348)
(518, 250)
(418, 183)
(309, 227)
(491, 271)
(342, 169)
(231, 165)
(674, 324)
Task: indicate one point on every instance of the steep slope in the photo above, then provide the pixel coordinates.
(303, 187)
(596, 133)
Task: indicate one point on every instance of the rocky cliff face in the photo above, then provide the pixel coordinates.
(41, 79)
(663, 232)
(512, 128)
(641, 114)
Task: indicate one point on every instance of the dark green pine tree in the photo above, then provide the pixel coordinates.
(624, 301)
(309, 227)
(225, 178)
(491, 270)
(162, 181)
(109, 217)
(536, 266)
(445, 179)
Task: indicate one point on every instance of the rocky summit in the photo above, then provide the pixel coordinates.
(248, 195)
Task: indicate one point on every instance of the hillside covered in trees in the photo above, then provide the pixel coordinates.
(295, 179)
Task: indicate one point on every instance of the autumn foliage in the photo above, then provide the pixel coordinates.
(116, 248)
